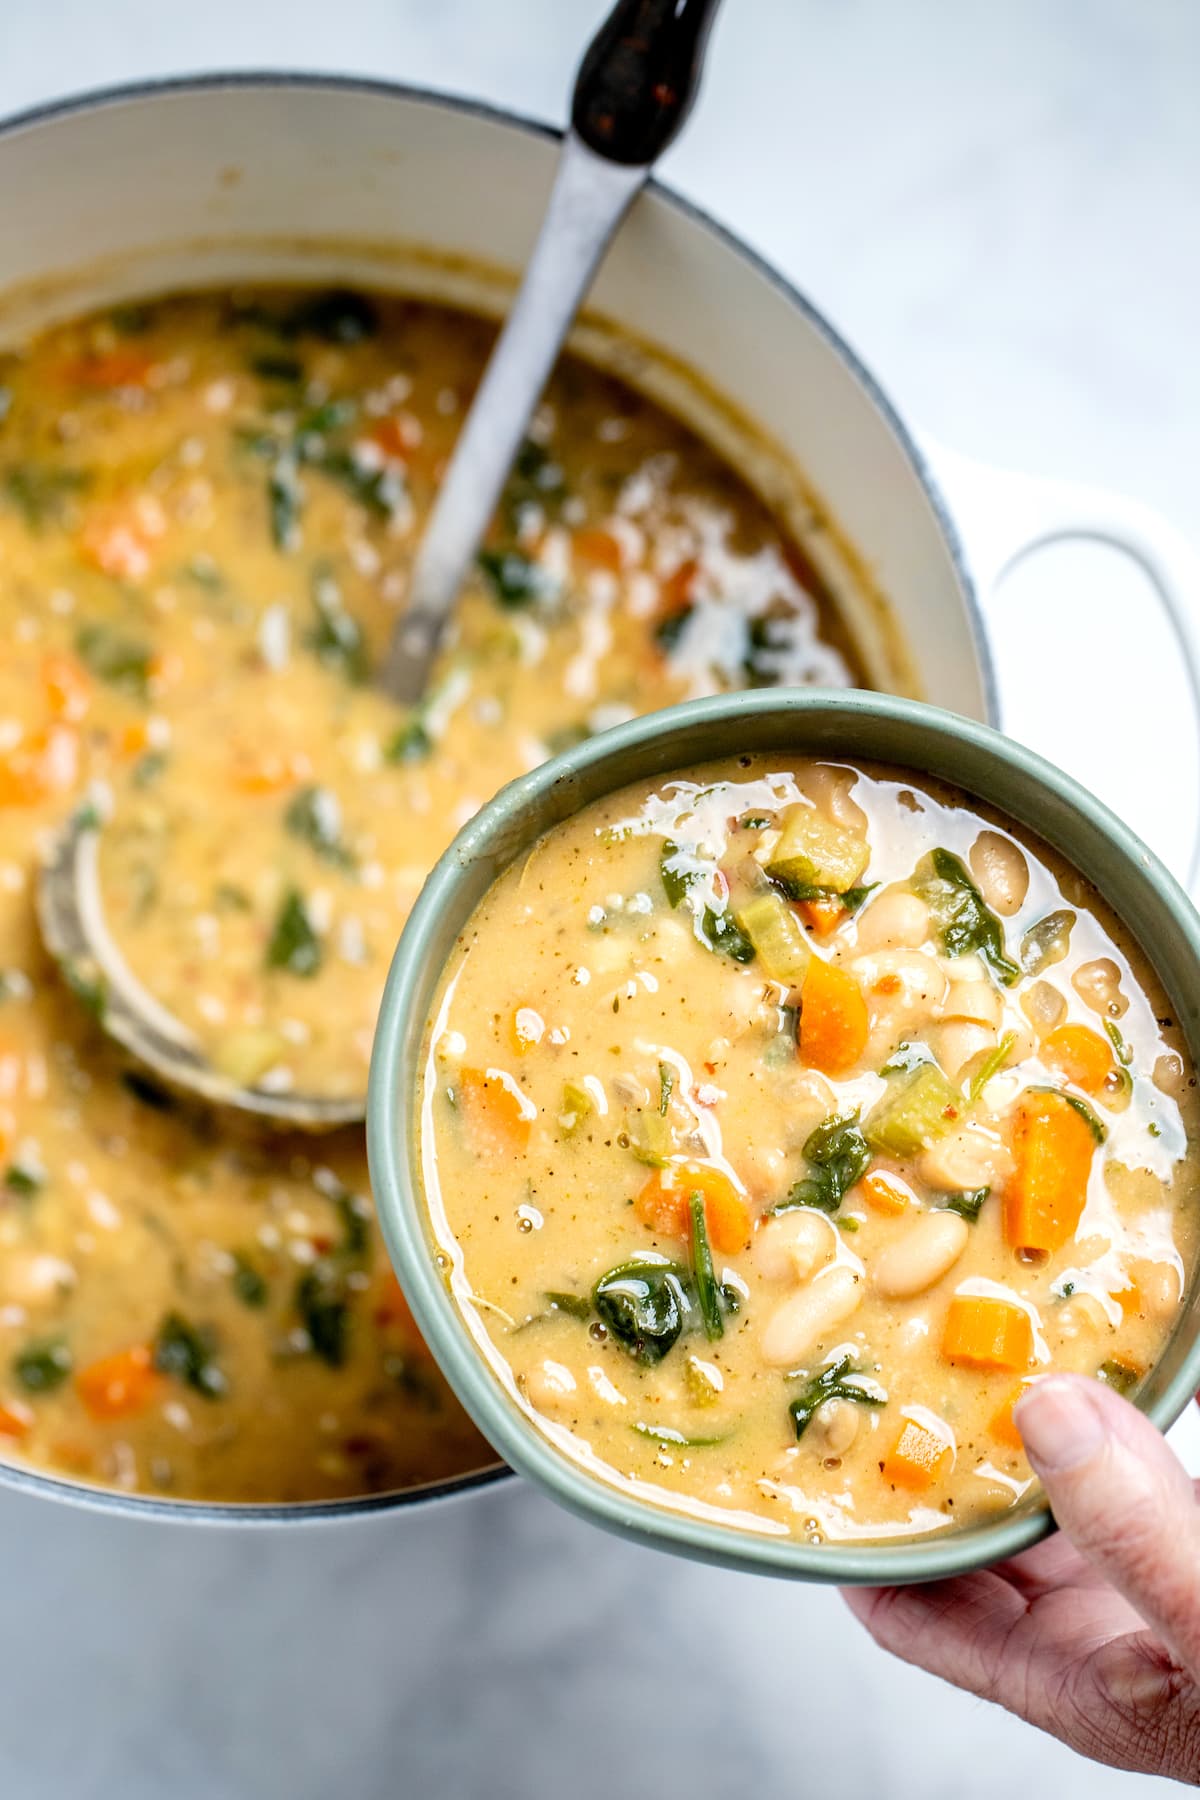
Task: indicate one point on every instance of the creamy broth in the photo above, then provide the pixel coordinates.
(781, 1121)
(208, 505)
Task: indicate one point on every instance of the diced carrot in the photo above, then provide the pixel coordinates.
(391, 436)
(1052, 1147)
(662, 1205)
(886, 1193)
(119, 1385)
(675, 591)
(68, 686)
(1002, 1425)
(833, 1028)
(499, 1116)
(134, 737)
(42, 765)
(822, 915)
(985, 1333)
(124, 367)
(13, 1424)
(119, 539)
(598, 549)
(270, 771)
(1080, 1055)
(527, 1030)
(918, 1458)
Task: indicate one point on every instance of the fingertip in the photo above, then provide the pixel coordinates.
(1060, 1423)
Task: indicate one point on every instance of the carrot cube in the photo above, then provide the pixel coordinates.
(918, 1458)
(983, 1333)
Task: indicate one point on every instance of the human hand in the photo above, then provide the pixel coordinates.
(1094, 1635)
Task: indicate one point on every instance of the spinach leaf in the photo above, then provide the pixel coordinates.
(25, 1178)
(536, 480)
(148, 1092)
(40, 492)
(412, 742)
(837, 1154)
(967, 926)
(855, 898)
(515, 581)
(43, 1365)
(294, 944)
(378, 491)
(285, 500)
(286, 369)
(645, 1304)
(188, 1352)
(121, 661)
(314, 816)
(323, 1307)
(338, 316)
(837, 1382)
(669, 632)
(672, 1439)
(968, 1204)
(676, 873)
(905, 1058)
(708, 1293)
(576, 1306)
(248, 1284)
(337, 637)
(722, 933)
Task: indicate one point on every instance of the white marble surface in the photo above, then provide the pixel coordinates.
(997, 204)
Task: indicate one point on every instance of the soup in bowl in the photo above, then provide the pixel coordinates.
(764, 1098)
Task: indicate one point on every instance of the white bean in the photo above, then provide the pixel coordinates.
(976, 1000)
(1000, 868)
(1158, 1285)
(968, 1158)
(898, 920)
(1044, 1007)
(958, 1041)
(914, 988)
(912, 1262)
(1170, 1076)
(809, 1100)
(830, 789)
(794, 1245)
(837, 1425)
(549, 1385)
(805, 1318)
(1098, 985)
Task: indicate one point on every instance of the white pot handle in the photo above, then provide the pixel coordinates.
(1004, 515)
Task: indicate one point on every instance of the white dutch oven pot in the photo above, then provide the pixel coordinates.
(236, 179)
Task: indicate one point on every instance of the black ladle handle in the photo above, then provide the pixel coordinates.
(640, 76)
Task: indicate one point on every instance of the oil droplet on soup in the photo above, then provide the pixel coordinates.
(857, 1127)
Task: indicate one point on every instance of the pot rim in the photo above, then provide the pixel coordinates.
(28, 1480)
(1006, 775)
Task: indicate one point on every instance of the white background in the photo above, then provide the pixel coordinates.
(997, 205)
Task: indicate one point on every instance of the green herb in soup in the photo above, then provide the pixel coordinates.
(838, 1200)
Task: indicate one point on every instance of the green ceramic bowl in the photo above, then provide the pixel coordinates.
(793, 723)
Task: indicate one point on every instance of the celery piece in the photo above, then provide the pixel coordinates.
(778, 937)
(922, 1108)
(651, 1139)
(812, 853)
(577, 1107)
(1047, 942)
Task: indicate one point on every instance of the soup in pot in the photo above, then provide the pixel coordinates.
(782, 1121)
(208, 505)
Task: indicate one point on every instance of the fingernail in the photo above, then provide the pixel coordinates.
(1060, 1426)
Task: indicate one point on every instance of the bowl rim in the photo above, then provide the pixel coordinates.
(503, 830)
(81, 102)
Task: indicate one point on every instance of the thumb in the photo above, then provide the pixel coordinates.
(1123, 1499)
